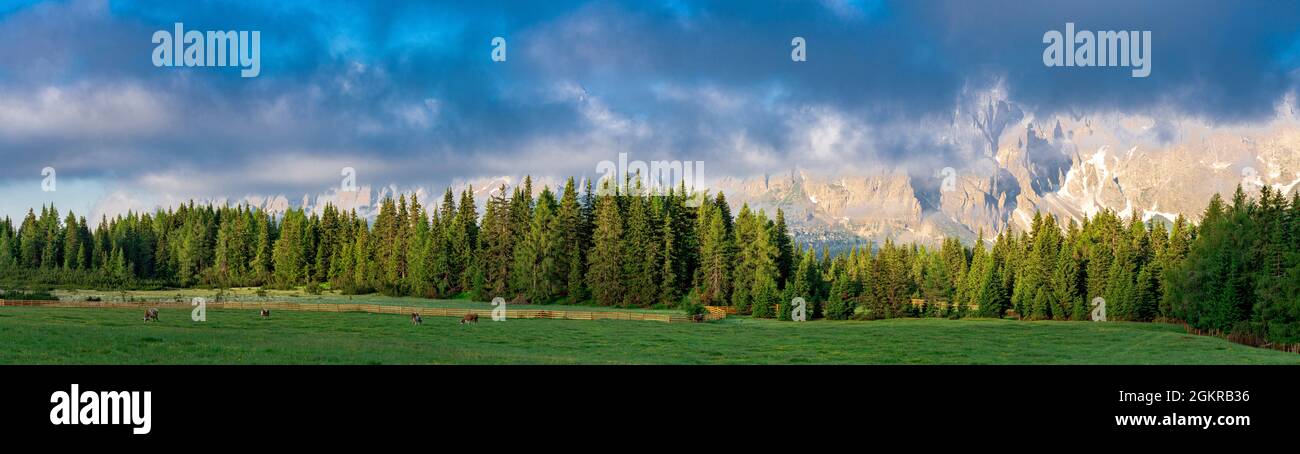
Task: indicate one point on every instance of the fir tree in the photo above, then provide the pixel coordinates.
(496, 254)
(536, 272)
(605, 268)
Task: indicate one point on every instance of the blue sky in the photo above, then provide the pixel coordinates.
(406, 92)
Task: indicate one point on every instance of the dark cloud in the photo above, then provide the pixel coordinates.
(410, 84)
(1225, 61)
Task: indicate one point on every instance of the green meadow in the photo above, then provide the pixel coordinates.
(119, 336)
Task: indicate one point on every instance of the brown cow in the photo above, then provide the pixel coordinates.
(415, 319)
(266, 313)
(471, 318)
(151, 314)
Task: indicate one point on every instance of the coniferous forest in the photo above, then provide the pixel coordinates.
(1236, 273)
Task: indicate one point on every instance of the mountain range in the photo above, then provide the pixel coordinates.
(1071, 167)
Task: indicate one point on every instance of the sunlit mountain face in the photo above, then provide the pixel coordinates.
(862, 120)
(1071, 167)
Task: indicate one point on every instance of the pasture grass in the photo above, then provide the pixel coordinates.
(32, 335)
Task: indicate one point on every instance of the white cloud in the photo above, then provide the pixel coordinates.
(124, 110)
(119, 202)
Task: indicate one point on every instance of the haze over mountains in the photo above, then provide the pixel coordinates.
(1068, 166)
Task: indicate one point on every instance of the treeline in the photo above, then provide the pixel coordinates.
(1047, 273)
(1238, 272)
(635, 248)
(1242, 274)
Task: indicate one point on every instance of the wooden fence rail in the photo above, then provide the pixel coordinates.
(942, 304)
(374, 309)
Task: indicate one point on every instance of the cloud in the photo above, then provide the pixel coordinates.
(405, 91)
(84, 111)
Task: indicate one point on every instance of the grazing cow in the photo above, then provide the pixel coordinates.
(151, 314)
(471, 318)
(415, 319)
(266, 313)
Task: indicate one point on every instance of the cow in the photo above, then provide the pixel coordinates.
(471, 318)
(151, 314)
(415, 319)
(266, 313)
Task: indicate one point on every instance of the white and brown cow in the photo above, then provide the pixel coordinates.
(151, 314)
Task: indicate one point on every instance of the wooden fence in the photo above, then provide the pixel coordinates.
(918, 302)
(719, 312)
(374, 309)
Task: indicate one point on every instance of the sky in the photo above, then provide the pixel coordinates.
(408, 94)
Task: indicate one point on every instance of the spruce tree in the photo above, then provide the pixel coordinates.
(71, 242)
(496, 256)
(419, 263)
(669, 265)
(715, 258)
(786, 260)
(464, 241)
(605, 267)
(841, 303)
(1121, 291)
(639, 253)
(261, 265)
(536, 273)
(567, 224)
(287, 254)
(935, 283)
(746, 230)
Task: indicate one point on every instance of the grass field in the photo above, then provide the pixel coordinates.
(118, 336)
